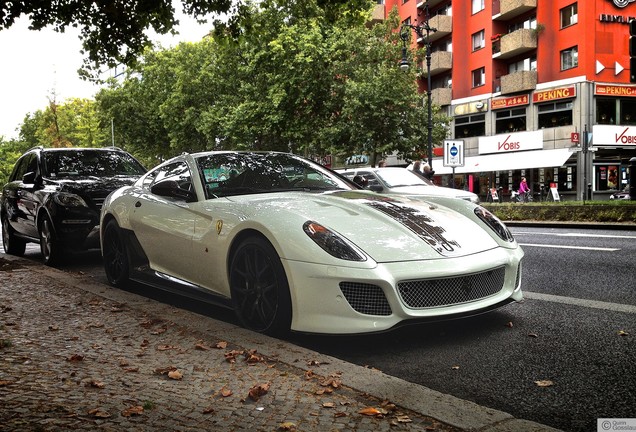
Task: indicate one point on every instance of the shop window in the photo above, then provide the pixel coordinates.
(479, 40)
(569, 15)
(628, 112)
(470, 126)
(605, 111)
(513, 120)
(479, 77)
(607, 177)
(569, 58)
(555, 114)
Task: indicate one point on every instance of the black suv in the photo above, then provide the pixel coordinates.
(54, 196)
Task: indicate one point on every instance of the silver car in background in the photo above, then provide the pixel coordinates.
(404, 182)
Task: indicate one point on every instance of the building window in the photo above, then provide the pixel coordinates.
(528, 64)
(555, 114)
(569, 15)
(628, 112)
(478, 5)
(569, 58)
(470, 126)
(479, 40)
(404, 1)
(605, 111)
(479, 77)
(512, 120)
(528, 23)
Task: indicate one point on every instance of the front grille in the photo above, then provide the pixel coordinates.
(451, 291)
(366, 298)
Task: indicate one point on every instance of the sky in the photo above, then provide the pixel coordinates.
(34, 65)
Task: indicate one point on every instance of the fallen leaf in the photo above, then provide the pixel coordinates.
(98, 413)
(131, 369)
(53, 328)
(338, 414)
(165, 370)
(533, 335)
(175, 375)
(221, 345)
(544, 383)
(509, 324)
(96, 384)
(328, 405)
(309, 374)
(225, 392)
(208, 410)
(257, 391)
(403, 419)
(623, 333)
(159, 331)
(455, 367)
(201, 346)
(370, 411)
(75, 358)
(287, 426)
(166, 347)
(134, 410)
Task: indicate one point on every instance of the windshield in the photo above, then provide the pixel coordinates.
(401, 177)
(226, 174)
(90, 163)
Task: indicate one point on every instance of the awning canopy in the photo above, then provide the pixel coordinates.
(507, 161)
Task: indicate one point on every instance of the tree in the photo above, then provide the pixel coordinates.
(10, 151)
(75, 123)
(113, 32)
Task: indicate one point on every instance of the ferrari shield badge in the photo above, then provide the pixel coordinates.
(219, 226)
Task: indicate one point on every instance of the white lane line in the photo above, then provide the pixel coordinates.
(595, 304)
(574, 235)
(600, 249)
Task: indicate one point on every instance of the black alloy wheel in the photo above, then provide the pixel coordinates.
(49, 246)
(259, 287)
(11, 243)
(115, 255)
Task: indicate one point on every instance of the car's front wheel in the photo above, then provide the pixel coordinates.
(11, 243)
(115, 255)
(49, 246)
(259, 287)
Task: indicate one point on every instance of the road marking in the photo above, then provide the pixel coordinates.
(574, 235)
(600, 249)
(595, 304)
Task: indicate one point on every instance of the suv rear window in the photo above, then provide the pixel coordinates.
(85, 163)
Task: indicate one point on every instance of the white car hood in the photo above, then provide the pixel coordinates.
(387, 228)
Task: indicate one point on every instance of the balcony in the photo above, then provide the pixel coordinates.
(441, 61)
(515, 43)
(518, 82)
(443, 24)
(442, 96)
(509, 9)
(378, 14)
(431, 3)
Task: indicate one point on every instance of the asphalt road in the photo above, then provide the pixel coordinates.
(564, 357)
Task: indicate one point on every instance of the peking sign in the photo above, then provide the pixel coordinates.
(511, 142)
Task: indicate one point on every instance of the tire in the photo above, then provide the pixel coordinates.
(259, 288)
(11, 243)
(49, 246)
(115, 255)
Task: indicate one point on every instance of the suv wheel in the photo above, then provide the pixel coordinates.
(49, 246)
(12, 244)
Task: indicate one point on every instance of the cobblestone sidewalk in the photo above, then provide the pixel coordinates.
(74, 360)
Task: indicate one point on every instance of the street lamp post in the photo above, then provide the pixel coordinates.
(422, 31)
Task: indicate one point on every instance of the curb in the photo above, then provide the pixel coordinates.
(459, 413)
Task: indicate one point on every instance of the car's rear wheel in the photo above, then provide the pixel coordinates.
(49, 246)
(11, 243)
(259, 287)
(115, 255)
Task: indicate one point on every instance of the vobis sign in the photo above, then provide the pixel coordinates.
(511, 142)
(614, 136)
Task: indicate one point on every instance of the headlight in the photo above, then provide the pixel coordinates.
(332, 243)
(494, 223)
(69, 200)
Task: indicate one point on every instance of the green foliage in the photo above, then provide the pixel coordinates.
(10, 151)
(567, 211)
(294, 78)
(75, 123)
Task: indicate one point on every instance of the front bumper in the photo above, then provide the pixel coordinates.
(345, 300)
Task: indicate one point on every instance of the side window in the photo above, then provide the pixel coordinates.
(178, 172)
(20, 169)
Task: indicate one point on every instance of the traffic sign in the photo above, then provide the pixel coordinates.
(453, 153)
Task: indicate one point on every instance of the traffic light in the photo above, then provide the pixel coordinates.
(632, 51)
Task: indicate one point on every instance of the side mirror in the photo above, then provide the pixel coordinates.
(30, 178)
(171, 189)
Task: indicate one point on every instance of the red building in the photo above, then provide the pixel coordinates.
(522, 81)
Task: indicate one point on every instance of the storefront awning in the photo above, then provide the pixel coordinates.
(507, 161)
